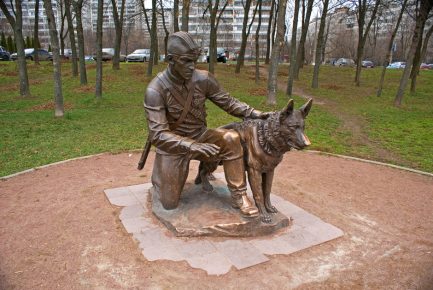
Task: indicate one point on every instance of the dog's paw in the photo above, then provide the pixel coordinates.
(266, 218)
(271, 209)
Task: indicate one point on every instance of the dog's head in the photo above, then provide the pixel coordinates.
(292, 124)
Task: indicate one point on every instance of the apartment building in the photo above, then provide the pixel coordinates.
(28, 10)
(229, 34)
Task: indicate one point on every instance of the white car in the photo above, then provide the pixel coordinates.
(139, 55)
(397, 64)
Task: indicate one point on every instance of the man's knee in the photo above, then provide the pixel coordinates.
(232, 138)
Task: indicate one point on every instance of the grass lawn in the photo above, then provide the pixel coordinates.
(31, 136)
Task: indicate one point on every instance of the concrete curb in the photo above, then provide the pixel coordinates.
(310, 151)
(372, 162)
(48, 165)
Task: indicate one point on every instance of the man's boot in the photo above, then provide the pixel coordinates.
(243, 203)
(236, 181)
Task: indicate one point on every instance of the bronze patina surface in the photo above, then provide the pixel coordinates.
(175, 108)
(202, 213)
(264, 143)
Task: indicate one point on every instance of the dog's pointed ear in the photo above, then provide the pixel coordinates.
(305, 109)
(288, 109)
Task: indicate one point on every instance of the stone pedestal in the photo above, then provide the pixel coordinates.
(203, 213)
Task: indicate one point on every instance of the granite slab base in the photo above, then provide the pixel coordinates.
(216, 256)
(202, 213)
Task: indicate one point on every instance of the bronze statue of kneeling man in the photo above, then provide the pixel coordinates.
(176, 115)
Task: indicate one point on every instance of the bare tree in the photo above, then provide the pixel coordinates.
(425, 7)
(71, 33)
(268, 35)
(320, 45)
(36, 43)
(214, 23)
(99, 22)
(257, 38)
(167, 33)
(54, 39)
(185, 14)
(421, 53)
(293, 50)
(275, 57)
(63, 32)
(389, 50)
(17, 25)
(176, 15)
(118, 26)
(362, 11)
(245, 33)
(154, 34)
(300, 57)
(78, 8)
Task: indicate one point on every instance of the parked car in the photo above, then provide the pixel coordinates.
(397, 64)
(67, 53)
(88, 58)
(4, 54)
(221, 55)
(344, 62)
(426, 66)
(367, 64)
(30, 54)
(108, 53)
(139, 55)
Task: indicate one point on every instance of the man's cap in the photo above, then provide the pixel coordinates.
(187, 41)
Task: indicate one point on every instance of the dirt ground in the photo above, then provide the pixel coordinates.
(58, 230)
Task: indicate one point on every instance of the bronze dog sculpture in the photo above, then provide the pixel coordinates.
(264, 143)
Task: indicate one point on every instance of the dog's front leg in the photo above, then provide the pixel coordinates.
(255, 179)
(267, 186)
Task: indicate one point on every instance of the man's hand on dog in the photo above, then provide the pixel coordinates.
(256, 114)
(206, 149)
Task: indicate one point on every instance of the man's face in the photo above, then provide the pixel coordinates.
(184, 66)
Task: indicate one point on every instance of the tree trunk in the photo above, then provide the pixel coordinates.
(362, 35)
(54, 39)
(36, 44)
(293, 50)
(78, 5)
(275, 57)
(319, 46)
(269, 36)
(245, 33)
(426, 6)
(416, 67)
(62, 28)
(389, 50)
(214, 23)
(176, 15)
(71, 33)
(17, 25)
(155, 33)
(213, 35)
(185, 14)
(167, 33)
(274, 25)
(300, 56)
(259, 24)
(118, 26)
(153, 40)
(98, 88)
